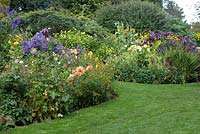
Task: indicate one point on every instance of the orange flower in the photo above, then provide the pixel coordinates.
(89, 68)
(79, 71)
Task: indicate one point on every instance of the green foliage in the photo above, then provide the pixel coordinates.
(139, 15)
(177, 26)
(75, 6)
(91, 81)
(102, 46)
(140, 66)
(73, 38)
(27, 5)
(57, 21)
(36, 20)
(183, 63)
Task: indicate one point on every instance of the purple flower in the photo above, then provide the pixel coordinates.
(1, 9)
(26, 47)
(11, 13)
(19, 20)
(16, 22)
(41, 41)
(7, 9)
(45, 32)
(58, 48)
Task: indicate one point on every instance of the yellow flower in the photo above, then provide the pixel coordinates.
(45, 93)
(97, 66)
(133, 30)
(74, 51)
(16, 43)
(96, 59)
(90, 53)
(9, 42)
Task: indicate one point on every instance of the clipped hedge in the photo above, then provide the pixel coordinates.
(137, 14)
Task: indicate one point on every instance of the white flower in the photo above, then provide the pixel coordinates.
(16, 61)
(26, 65)
(139, 48)
(58, 63)
(145, 46)
(21, 62)
(60, 115)
(20, 9)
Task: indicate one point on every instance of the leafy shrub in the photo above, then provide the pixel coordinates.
(177, 26)
(137, 14)
(88, 88)
(185, 63)
(75, 6)
(73, 38)
(57, 21)
(26, 5)
(37, 20)
(101, 47)
(140, 66)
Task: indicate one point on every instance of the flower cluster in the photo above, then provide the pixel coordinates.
(9, 12)
(197, 36)
(139, 48)
(168, 39)
(38, 42)
(79, 71)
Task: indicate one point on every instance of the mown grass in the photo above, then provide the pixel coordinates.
(140, 109)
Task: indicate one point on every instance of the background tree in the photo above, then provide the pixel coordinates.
(173, 9)
(197, 7)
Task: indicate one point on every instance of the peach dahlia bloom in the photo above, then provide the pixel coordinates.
(89, 68)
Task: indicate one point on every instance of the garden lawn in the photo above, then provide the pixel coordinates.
(140, 109)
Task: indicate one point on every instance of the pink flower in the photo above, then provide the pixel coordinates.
(79, 71)
(89, 68)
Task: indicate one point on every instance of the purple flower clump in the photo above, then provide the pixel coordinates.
(16, 22)
(11, 13)
(58, 48)
(1, 9)
(169, 39)
(26, 45)
(40, 41)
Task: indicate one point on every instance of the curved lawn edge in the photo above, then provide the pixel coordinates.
(140, 109)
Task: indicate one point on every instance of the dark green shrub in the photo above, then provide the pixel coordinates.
(57, 21)
(81, 7)
(137, 14)
(27, 5)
